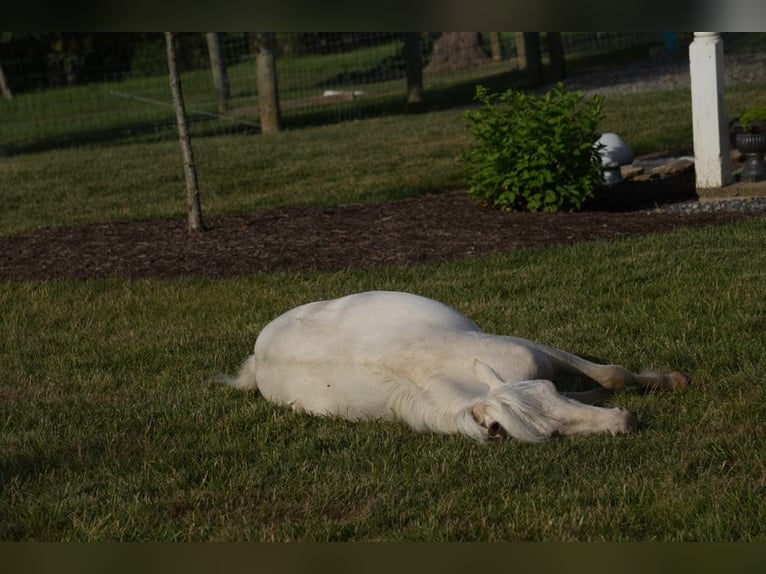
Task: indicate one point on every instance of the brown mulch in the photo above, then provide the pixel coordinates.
(428, 228)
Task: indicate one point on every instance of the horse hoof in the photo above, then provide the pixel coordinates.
(678, 381)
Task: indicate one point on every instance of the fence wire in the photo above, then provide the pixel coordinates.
(77, 89)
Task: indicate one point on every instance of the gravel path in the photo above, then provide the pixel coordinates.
(754, 205)
(667, 73)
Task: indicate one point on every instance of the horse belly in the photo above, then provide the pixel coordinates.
(353, 356)
(345, 390)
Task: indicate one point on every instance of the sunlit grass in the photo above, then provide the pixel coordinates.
(374, 160)
(111, 429)
(365, 161)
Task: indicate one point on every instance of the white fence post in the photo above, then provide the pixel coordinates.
(712, 158)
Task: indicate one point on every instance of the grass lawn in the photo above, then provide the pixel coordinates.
(110, 429)
(374, 160)
(367, 161)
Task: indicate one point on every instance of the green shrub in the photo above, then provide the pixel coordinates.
(534, 152)
(754, 115)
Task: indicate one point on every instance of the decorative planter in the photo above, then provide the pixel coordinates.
(749, 137)
(753, 145)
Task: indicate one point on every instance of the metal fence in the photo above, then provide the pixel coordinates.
(78, 89)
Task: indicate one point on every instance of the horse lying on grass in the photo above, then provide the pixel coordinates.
(397, 356)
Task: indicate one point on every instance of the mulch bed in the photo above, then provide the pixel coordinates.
(428, 228)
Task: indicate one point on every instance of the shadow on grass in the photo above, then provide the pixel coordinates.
(138, 132)
(459, 94)
(631, 195)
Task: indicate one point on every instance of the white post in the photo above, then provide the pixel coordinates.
(710, 123)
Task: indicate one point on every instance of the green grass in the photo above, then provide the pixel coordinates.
(110, 429)
(380, 159)
(660, 121)
(143, 105)
(140, 109)
(367, 161)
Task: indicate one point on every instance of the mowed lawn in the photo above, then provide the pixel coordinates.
(112, 430)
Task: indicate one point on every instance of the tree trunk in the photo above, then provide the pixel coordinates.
(414, 70)
(532, 59)
(5, 89)
(457, 51)
(266, 76)
(194, 209)
(521, 56)
(220, 73)
(497, 49)
(556, 51)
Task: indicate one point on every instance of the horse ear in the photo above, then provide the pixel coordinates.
(487, 374)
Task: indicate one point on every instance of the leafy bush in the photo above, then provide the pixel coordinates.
(534, 152)
(752, 116)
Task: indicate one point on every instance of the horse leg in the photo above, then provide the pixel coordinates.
(538, 406)
(576, 418)
(534, 410)
(613, 377)
(592, 397)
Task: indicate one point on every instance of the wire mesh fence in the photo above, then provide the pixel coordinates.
(74, 89)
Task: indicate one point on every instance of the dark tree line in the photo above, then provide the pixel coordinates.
(39, 60)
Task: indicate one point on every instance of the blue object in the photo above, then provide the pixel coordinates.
(671, 41)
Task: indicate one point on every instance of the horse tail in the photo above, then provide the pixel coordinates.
(245, 379)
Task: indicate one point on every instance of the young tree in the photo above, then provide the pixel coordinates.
(266, 77)
(530, 57)
(556, 52)
(496, 46)
(5, 89)
(414, 70)
(218, 66)
(194, 208)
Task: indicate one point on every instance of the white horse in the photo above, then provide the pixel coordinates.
(397, 356)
